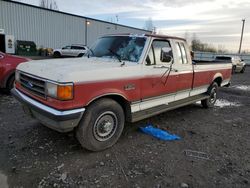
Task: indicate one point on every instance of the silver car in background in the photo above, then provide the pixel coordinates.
(74, 50)
(238, 65)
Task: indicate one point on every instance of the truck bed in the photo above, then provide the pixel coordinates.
(204, 62)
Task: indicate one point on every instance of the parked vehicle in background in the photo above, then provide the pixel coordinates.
(74, 50)
(238, 65)
(8, 64)
(122, 78)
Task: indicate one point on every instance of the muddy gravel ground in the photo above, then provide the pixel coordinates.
(214, 150)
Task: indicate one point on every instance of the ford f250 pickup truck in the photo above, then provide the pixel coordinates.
(123, 78)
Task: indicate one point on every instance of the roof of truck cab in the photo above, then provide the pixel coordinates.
(147, 35)
(165, 36)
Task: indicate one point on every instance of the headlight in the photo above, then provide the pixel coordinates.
(17, 76)
(60, 91)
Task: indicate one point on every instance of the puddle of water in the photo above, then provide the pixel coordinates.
(225, 103)
(242, 87)
(3, 181)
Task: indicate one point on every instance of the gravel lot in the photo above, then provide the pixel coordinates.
(32, 155)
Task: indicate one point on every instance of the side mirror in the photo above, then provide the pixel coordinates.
(166, 58)
(166, 55)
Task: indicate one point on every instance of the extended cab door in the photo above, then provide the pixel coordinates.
(158, 85)
(184, 69)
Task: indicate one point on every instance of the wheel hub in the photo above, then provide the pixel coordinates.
(213, 96)
(105, 126)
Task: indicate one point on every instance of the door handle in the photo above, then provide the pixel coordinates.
(161, 66)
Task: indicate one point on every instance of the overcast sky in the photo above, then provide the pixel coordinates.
(213, 21)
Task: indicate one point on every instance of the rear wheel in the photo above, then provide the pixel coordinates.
(80, 55)
(101, 126)
(212, 91)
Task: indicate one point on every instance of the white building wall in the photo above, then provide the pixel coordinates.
(52, 28)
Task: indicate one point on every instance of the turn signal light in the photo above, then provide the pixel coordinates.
(65, 92)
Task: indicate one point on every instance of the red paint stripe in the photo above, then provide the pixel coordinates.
(145, 87)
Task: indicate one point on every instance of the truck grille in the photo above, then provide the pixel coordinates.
(34, 85)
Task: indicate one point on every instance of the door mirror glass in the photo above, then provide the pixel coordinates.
(166, 56)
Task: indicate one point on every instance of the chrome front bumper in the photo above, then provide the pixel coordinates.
(62, 121)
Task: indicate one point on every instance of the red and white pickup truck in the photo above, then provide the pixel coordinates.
(122, 78)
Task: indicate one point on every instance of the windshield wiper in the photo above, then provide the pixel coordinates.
(115, 54)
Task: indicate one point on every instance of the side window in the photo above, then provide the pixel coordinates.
(158, 46)
(74, 47)
(181, 53)
(66, 47)
(184, 54)
(179, 56)
(155, 53)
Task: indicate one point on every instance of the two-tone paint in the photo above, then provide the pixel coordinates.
(137, 86)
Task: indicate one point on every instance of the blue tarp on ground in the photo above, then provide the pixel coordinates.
(158, 133)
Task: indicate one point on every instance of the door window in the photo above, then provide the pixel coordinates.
(158, 50)
(155, 53)
(66, 47)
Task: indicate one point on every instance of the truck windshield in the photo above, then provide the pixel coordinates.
(127, 48)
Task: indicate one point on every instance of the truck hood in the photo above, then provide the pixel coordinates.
(78, 69)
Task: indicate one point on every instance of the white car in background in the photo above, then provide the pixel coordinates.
(238, 65)
(74, 50)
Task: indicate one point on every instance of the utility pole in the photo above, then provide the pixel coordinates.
(242, 31)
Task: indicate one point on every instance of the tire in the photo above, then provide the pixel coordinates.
(234, 69)
(80, 55)
(243, 69)
(10, 83)
(56, 54)
(91, 131)
(212, 91)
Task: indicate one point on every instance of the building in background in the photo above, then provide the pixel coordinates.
(50, 28)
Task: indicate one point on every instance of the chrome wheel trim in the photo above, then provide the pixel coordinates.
(105, 126)
(213, 96)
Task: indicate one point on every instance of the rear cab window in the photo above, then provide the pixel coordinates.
(182, 57)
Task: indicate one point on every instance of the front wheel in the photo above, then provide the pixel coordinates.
(57, 54)
(101, 126)
(212, 92)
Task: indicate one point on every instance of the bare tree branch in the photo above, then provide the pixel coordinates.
(49, 4)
